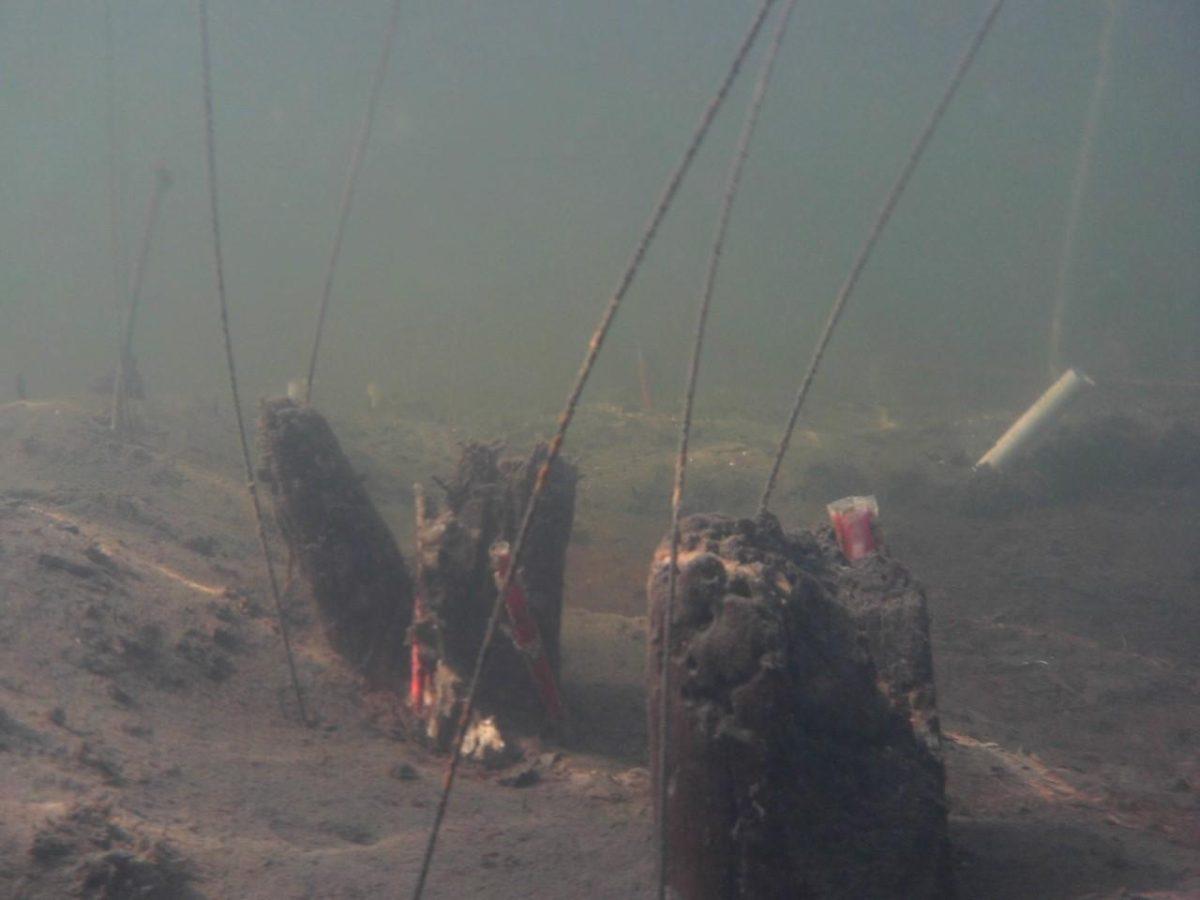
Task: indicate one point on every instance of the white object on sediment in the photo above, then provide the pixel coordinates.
(1035, 419)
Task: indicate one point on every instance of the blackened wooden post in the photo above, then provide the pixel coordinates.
(483, 503)
(343, 547)
(795, 772)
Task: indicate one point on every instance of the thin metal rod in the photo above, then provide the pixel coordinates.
(356, 158)
(210, 167)
(864, 254)
(564, 421)
(1079, 183)
(116, 245)
(732, 184)
(420, 612)
(117, 418)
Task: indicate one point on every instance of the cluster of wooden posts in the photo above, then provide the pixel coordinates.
(805, 757)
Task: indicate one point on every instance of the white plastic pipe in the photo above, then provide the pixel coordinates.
(1035, 419)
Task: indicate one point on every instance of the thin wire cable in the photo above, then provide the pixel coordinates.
(1079, 182)
(864, 254)
(116, 246)
(733, 182)
(117, 414)
(356, 158)
(564, 421)
(210, 167)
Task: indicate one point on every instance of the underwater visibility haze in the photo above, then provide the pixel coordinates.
(515, 153)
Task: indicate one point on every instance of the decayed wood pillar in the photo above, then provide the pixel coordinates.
(342, 546)
(482, 504)
(795, 770)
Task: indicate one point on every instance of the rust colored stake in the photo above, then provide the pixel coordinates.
(356, 159)
(864, 253)
(118, 417)
(525, 632)
(218, 268)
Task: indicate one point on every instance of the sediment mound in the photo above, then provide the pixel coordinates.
(90, 855)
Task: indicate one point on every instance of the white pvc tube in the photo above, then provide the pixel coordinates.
(1035, 419)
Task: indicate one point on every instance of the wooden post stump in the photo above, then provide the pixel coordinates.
(343, 547)
(804, 757)
(483, 503)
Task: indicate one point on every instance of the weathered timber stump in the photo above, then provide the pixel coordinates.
(483, 503)
(344, 549)
(890, 608)
(804, 757)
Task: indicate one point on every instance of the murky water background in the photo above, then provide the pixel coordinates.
(517, 152)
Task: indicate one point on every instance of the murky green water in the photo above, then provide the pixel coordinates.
(518, 150)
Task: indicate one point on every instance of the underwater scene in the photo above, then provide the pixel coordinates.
(563, 450)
